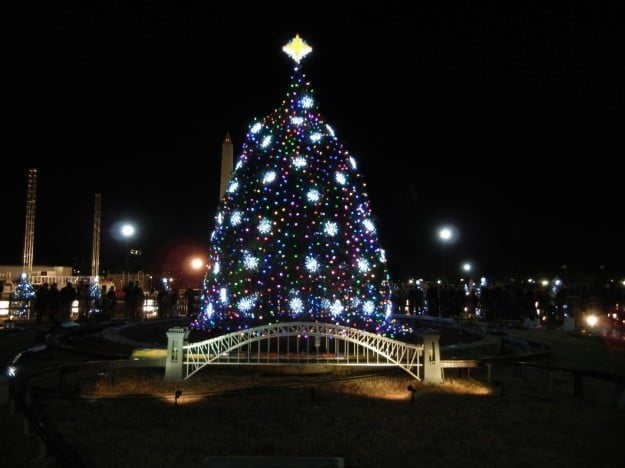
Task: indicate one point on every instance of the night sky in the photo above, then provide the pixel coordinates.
(503, 123)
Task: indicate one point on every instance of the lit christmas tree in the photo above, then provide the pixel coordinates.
(294, 237)
(24, 290)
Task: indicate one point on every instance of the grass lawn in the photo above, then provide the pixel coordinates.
(369, 422)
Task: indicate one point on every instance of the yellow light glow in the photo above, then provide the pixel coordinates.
(197, 263)
(591, 320)
(297, 49)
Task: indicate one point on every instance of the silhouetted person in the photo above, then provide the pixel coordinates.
(139, 298)
(84, 301)
(53, 303)
(41, 301)
(67, 296)
(111, 301)
(129, 299)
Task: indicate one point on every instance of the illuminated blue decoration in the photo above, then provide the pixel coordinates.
(264, 227)
(296, 305)
(313, 195)
(298, 238)
(246, 303)
(307, 102)
(269, 177)
(363, 265)
(299, 162)
(266, 141)
(315, 137)
(369, 226)
(340, 178)
(250, 262)
(331, 228)
(312, 265)
(233, 187)
(236, 218)
(336, 308)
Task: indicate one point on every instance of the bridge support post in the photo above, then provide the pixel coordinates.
(432, 370)
(176, 338)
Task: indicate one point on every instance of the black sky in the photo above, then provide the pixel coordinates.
(504, 123)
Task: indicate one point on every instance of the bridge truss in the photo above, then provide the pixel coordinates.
(306, 343)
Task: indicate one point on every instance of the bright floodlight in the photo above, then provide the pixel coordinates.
(445, 234)
(591, 320)
(466, 266)
(544, 282)
(128, 230)
(197, 263)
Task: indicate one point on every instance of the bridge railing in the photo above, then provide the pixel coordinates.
(302, 343)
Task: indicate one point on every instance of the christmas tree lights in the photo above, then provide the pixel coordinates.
(299, 242)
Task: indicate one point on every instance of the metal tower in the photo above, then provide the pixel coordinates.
(227, 155)
(95, 249)
(29, 231)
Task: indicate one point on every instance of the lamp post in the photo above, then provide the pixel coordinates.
(446, 235)
(127, 231)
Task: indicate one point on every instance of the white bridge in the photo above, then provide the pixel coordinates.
(301, 343)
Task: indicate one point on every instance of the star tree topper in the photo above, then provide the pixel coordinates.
(297, 49)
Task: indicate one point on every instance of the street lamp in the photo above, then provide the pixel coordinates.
(447, 235)
(467, 267)
(127, 231)
(197, 263)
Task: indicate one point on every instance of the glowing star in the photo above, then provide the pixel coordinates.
(336, 308)
(223, 295)
(296, 305)
(297, 49)
(313, 195)
(246, 303)
(363, 265)
(368, 307)
(233, 187)
(266, 141)
(352, 161)
(264, 227)
(256, 127)
(383, 256)
(250, 262)
(312, 264)
(299, 162)
(307, 102)
(340, 178)
(216, 268)
(368, 225)
(297, 120)
(209, 310)
(330, 130)
(331, 228)
(269, 177)
(235, 218)
(220, 218)
(315, 137)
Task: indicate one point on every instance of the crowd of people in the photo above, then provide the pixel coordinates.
(510, 300)
(55, 305)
